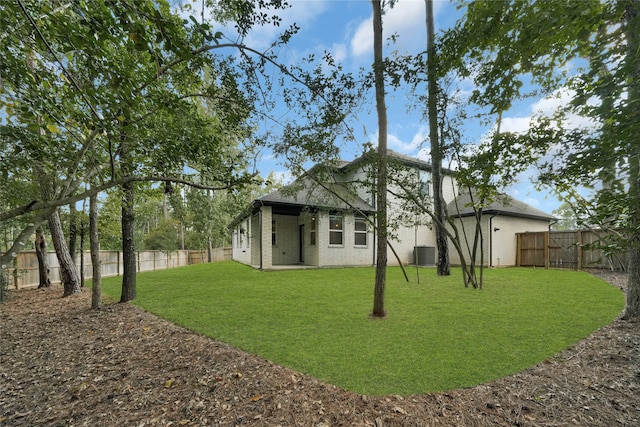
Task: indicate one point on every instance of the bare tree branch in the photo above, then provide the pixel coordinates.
(36, 205)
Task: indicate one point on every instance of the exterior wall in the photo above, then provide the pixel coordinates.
(286, 251)
(310, 250)
(359, 177)
(255, 239)
(499, 245)
(407, 239)
(241, 242)
(265, 230)
(347, 254)
(504, 240)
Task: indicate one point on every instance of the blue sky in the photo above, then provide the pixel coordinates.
(344, 28)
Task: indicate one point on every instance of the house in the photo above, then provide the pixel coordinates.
(324, 218)
(501, 219)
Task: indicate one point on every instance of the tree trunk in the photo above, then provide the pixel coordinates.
(6, 258)
(73, 229)
(43, 262)
(68, 271)
(436, 148)
(94, 243)
(128, 245)
(128, 220)
(381, 214)
(632, 31)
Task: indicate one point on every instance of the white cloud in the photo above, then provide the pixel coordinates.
(339, 52)
(285, 177)
(396, 143)
(300, 13)
(407, 18)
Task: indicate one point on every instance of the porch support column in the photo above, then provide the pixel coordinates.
(266, 247)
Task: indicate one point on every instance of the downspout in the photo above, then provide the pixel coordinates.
(261, 235)
(491, 231)
(373, 203)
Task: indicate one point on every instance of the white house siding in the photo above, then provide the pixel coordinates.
(286, 251)
(407, 238)
(499, 245)
(504, 240)
(406, 241)
(242, 242)
(310, 251)
(255, 239)
(346, 254)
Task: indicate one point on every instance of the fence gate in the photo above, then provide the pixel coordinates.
(563, 250)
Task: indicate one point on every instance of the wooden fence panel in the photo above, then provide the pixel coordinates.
(27, 275)
(531, 249)
(568, 249)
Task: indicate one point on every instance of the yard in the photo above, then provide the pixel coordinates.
(438, 335)
(64, 364)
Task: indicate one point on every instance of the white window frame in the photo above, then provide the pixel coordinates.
(313, 231)
(357, 219)
(333, 219)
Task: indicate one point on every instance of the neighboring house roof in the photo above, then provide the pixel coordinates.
(504, 205)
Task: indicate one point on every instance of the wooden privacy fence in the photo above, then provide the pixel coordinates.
(26, 273)
(567, 249)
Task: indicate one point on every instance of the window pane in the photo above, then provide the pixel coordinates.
(361, 239)
(335, 222)
(273, 232)
(335, 237)
(360, 224)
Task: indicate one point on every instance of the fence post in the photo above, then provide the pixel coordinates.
(547, 243)
(579, 250)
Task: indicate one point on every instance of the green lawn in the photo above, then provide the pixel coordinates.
(437, 335)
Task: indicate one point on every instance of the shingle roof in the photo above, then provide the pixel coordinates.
(334, 196)
(501, 205)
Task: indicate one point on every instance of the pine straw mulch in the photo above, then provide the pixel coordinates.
(63, 364)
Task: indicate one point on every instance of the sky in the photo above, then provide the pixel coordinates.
(344, 28)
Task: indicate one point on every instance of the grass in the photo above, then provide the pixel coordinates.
(437, 335)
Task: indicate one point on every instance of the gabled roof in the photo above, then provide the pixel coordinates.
(393, 157)
(296, 197)
(334, 196)
(502, 205)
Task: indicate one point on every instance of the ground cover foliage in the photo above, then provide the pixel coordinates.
(62, 363)
(438, 335)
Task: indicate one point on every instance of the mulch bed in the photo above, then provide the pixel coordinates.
(62, 364)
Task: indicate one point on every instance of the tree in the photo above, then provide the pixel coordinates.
(381, 182)
(88, 65)
(43, 262)
(494, 36)
(567, 217)
(96, 279)
(436, 147)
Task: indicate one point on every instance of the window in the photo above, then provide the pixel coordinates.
(312, 232)
(273, 232)
(335, 229)
(360, 231)
(425, 181)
